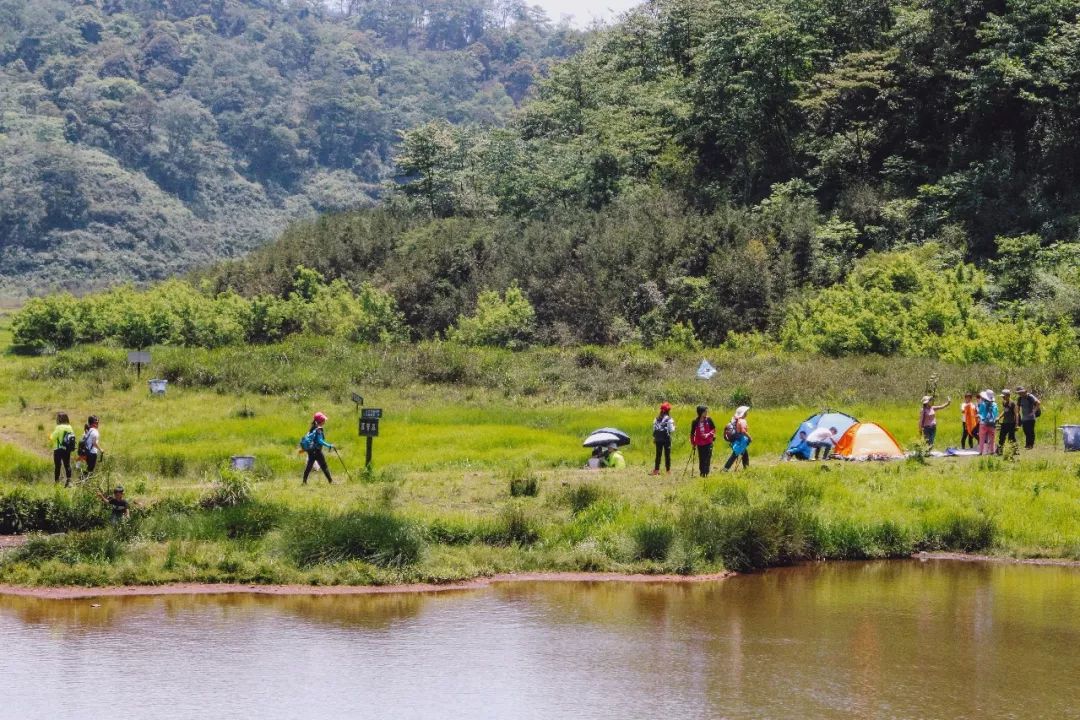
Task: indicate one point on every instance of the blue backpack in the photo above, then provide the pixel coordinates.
(308, 442)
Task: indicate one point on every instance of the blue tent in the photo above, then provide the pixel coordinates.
(826, 418)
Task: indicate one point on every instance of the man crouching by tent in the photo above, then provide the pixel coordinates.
(822, 439)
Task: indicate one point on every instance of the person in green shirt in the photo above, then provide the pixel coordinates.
(613, 458)
(63, 441)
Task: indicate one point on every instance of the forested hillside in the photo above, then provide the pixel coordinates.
(889, 176)
(141, 137)
(713, 165)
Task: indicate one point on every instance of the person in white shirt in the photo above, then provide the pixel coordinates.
(822, 439)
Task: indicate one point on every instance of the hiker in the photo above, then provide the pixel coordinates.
(63, 443)
(822, 439)
(800, 450)
(313, 443)
(1029, 408)
(738, 434)
(988, 416)
(969, 419)
(663, 428)
(90, 450)
(613, 458)
(928, 418)
(118, 504)
(702, 436)
(1010, 416)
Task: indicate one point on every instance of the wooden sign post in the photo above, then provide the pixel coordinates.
(138, 358)
(369, 428)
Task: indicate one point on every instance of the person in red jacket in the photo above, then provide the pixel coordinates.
(702, 436)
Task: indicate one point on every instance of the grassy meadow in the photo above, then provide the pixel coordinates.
(477, 468)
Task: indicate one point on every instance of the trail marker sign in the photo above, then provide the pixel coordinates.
(138, 358)
(369, 428)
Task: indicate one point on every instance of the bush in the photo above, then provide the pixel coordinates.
(652, 540)
(232, 488)
(580, 497)
(94, 547)
(515, 526)
(524, 484)
(751, 538)
(508, 321)
(22, 511)
(378, 537)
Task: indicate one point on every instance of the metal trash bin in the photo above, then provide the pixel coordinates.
(157, 387)
(1070, 437)
(242, 462)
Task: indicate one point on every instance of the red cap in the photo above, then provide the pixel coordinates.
(665, 406)
(319, 417)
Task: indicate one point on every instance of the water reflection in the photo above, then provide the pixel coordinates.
(870, 640)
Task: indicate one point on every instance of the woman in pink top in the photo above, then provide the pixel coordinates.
(928, 418)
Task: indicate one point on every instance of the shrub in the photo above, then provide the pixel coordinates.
(95, 547)
(524, 484)
(376, 536)
(652, 540)
(232, 488)
(508, 321)
(751, 538)
(515, 526)
(580, 497)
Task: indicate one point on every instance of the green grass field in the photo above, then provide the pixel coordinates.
(459, 426)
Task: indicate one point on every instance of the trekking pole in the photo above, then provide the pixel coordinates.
(346, 467)
(689, 461)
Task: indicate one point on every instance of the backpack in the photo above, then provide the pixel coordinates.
(308, 442)
(68, 442)
(731, 431)
(660, 432)
(85, 445)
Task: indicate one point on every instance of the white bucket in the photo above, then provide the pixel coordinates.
(157, 387)
(242, 462)
(1070, 437)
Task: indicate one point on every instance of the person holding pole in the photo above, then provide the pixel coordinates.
(663, 429)
(702, 436)
(313, 443)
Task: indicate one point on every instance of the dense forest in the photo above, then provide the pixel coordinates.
(139, 138)
(839, 177)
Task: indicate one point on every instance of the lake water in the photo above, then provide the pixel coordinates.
(861, 640)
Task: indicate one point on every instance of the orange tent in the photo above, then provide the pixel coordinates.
(867, 440)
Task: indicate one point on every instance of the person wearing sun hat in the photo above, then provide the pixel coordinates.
(1009, 419)
(663, 428)
(739, 437)
(928, 418)
(988, 417)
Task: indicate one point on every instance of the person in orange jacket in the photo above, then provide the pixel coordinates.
(969, 417)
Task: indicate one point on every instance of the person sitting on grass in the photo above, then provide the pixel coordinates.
(118, 504)
(596, 460)
(800, 450)
(822, 439)
(613, 458)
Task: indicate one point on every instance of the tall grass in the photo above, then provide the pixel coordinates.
(376, 536)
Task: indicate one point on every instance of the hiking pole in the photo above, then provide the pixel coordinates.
(689, 460)
(346, 467)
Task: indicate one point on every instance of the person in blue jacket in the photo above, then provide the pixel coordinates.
(988, 417)
(316, 438)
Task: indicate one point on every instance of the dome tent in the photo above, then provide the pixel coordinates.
(864, 441)
(825, 418)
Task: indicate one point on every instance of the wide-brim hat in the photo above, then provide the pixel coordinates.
(987, 395)
(1006, 391)
(927, 398)
(742, 410)
(1021, 389)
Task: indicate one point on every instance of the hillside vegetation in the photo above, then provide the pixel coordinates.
(141, 137)
(712, 167)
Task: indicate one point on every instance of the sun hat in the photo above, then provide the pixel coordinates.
(612, 446)
(742, 410)
(987, 395)
(665, 406)
(927, 398)
(1006, 391)
(319, 417)
(1021, 389)
(118, 488)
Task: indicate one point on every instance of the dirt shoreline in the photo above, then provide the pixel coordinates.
(81, 592)
(73, 593)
